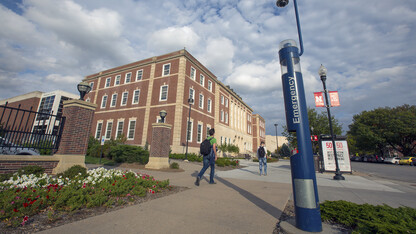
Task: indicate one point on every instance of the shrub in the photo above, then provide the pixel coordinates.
(4, 177)
(32, 169)
(73, 172)
(368, 218)
(174, 165)
(129, 154)
(191, 157)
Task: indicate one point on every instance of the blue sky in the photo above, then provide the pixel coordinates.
(368, 47)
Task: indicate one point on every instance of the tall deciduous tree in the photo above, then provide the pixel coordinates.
(382, 127)
(319, 123)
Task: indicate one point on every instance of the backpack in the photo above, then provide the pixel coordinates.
(262, 153)
(205, 147)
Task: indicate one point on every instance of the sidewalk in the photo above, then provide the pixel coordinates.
(240, 202)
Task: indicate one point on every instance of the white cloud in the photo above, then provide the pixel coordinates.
(218, 56)
(172, 39)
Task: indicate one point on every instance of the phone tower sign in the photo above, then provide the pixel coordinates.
(305, 190)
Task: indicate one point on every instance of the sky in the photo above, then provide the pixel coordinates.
(368, 47)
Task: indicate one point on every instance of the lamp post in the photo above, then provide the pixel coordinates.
(83, 89)
(162, 115)
(305, 189)
(190, 101)
(322, 74)
(277, 141)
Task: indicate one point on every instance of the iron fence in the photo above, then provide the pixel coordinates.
(29, 132)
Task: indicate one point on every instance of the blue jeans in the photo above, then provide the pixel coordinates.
(208, 163)
(261, 162)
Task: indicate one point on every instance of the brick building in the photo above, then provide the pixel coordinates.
(130, 97)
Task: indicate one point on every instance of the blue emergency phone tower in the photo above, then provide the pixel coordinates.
(305, 191)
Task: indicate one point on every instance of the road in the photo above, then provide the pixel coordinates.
(402, 173)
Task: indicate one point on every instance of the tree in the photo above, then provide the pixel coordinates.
(395, 127)
(284, 151)
(319, 123)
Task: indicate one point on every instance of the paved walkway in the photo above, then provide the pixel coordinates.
(240, 202)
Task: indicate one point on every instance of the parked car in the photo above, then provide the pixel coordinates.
(406, 160)
(7, 148)
(413, 162)
(393, 160)
(356, 158)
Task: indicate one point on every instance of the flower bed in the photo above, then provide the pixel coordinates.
(24, 196)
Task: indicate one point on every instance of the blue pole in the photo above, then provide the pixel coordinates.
(305, 190)
(298, 25)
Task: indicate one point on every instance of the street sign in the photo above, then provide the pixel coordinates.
(314, 138)
(102, 140)
(319, 99)
(333, 96)
(342, 155)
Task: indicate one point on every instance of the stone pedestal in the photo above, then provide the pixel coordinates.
(160, 146)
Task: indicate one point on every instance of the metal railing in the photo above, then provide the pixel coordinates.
(28, 131)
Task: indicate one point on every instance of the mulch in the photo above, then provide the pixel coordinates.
(41, 221)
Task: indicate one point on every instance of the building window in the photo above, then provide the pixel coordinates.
(201, 101)
(98, 130)
(113, 100)
(118, 78)
(192, 94)
(199, 133)
(226, 102)
(139, 75)
(209, 105)
(128, 78)
(222, 115)
(136, 96)
(92, 85)
(201, 80)
(210, 85)
(109, 128)
(222, 100)
(208, 128)
(120, 127)
(124, 98)
(107, 82)
(226, 117)
(104, 101)
(189, 131)
(166, 69)
(132, 128)
(193, 73)
(163, 93)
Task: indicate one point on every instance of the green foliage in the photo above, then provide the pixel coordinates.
(191, 157)
(174, 165)
(17, 203)
(104, 161)
(375, 130)
(284, 151)
(129, 154)
(320, 124)
(368, 218)
(31, 169)
(74, 172)
(230, 148)
(41, 143)
(4, 177)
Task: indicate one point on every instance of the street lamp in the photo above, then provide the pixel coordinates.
(83, 89)
(277, 142)
(283, 3)
(190, 101)
(322, 74)
(162, 115)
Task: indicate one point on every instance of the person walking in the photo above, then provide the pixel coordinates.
(209, 159)
(261, 155)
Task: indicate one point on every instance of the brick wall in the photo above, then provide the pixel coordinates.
(10, 166)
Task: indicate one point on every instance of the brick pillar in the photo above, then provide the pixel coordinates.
(160, 146)
(74, 139)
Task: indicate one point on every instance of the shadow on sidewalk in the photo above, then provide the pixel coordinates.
(267, 207)
(252, 172)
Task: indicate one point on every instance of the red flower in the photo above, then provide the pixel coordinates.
(47, 196)
(32, 202)
(113, 184)
(25, 204)
(34, 190)
(29, 199)
(15, 210)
